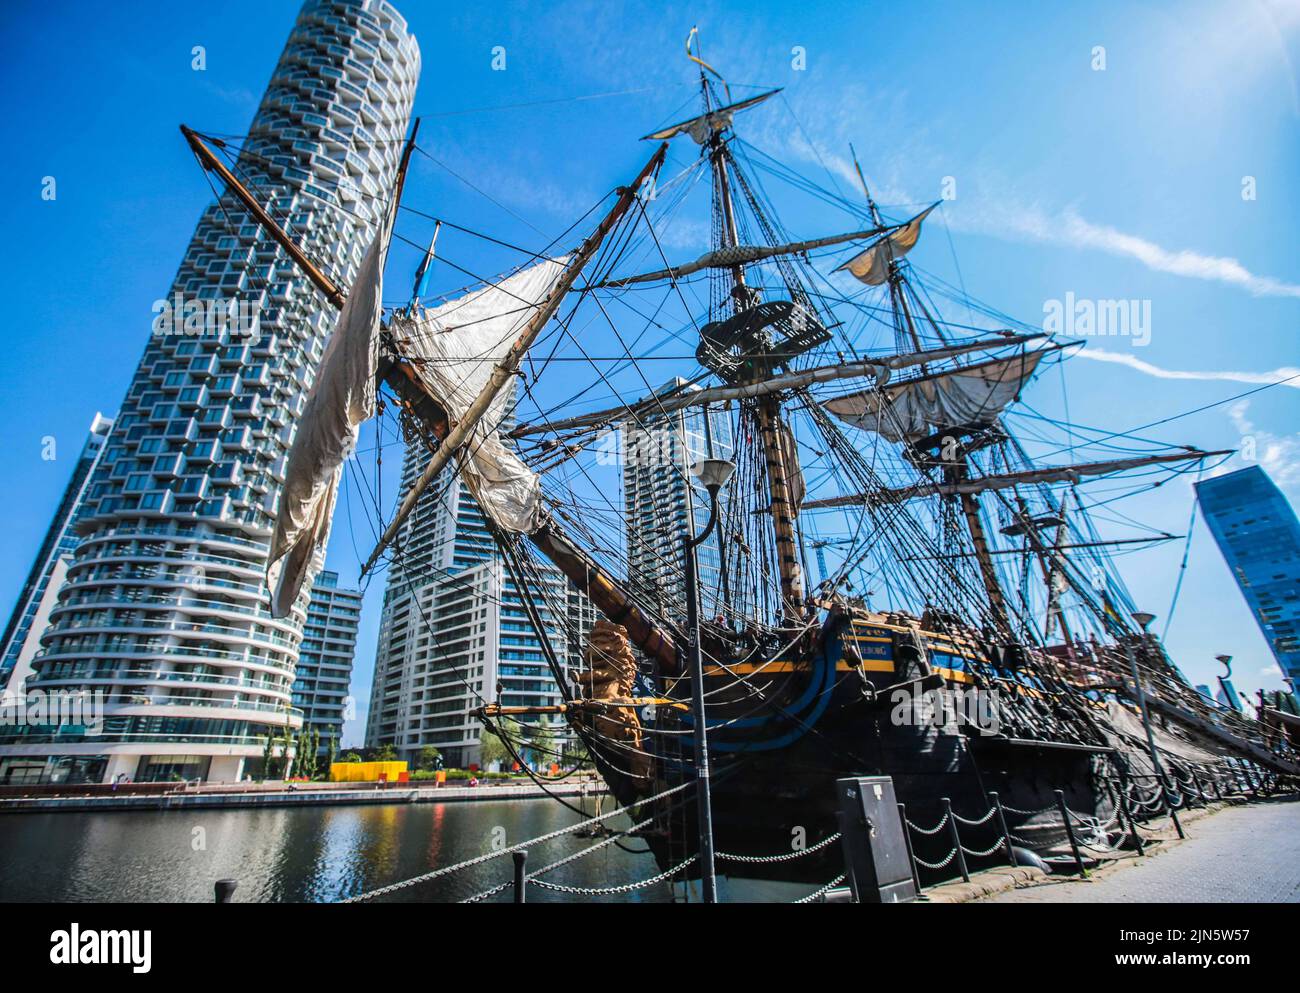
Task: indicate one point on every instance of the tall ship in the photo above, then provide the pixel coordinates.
(898, 563)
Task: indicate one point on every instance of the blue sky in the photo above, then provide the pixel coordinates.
(1121, 183)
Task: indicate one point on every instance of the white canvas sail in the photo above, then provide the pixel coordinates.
(871, 266)
(914, 409)
(454, 349)
(341, 398)
(702, 128)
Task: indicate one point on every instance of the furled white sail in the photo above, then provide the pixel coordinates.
(341, 398)
(871, 265)
(914, 409)
(454, 349)
(702, 128)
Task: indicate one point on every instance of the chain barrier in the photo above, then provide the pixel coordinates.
(611, 890)
(779, 858)
(934, 830)
(983, 855)
(936, 867)
(992, 811)
(823, 891)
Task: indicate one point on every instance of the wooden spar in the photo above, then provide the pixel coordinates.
(986, 483)
(970, 510)
(768, 414)
(404, 164)
(879, 368)
(603, 590)
(211, 163)
(509, 364)
(1055, 548)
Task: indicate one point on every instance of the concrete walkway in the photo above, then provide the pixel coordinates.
(1248, 854)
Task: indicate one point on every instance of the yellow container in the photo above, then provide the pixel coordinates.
(365, 772)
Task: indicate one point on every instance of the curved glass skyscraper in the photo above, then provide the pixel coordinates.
(164, 606)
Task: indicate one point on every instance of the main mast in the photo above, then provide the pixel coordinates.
(780, 459)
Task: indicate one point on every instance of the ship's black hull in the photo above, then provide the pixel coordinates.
(790, 729)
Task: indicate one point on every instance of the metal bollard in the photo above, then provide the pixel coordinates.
(911, 855)
(521, 880)
(1069, 833)
(224, 890)
(1002, 823)
(956, 839)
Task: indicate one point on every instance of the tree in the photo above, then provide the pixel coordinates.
(428, 758)
(385, 753)
(266, 758)
(491, 748)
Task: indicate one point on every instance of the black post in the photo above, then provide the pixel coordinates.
(911, 855)
(1069, 833)
(1002, 823)
(1173, 811)
(956, 838)
(703, 795)
(521, 881)
(849, 875)
(224, 890)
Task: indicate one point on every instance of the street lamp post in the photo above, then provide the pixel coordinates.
(713, 475)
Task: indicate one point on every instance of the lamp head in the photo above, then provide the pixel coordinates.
(713, 474)
(1143, 618)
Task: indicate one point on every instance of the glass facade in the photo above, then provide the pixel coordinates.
(22, 634)
(454, 632)
(164, 605)
(663, 505)
(1257, 532)
(329, 641)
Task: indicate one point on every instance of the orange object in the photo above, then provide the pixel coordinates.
(403, 777)
(555, 769)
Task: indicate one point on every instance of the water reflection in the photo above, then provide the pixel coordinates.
(296, 854)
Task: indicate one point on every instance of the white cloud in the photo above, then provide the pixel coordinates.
(1133, 362)
(1279, 455)
(1068, 228)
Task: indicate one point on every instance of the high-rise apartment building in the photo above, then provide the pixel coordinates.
(35, 601)
(164, 609)
(663, 505)
(455, 633)
(329, 642)
(1257, 532)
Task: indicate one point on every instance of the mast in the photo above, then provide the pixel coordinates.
(781, 459)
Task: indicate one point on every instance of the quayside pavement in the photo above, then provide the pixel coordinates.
(1247, 854)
